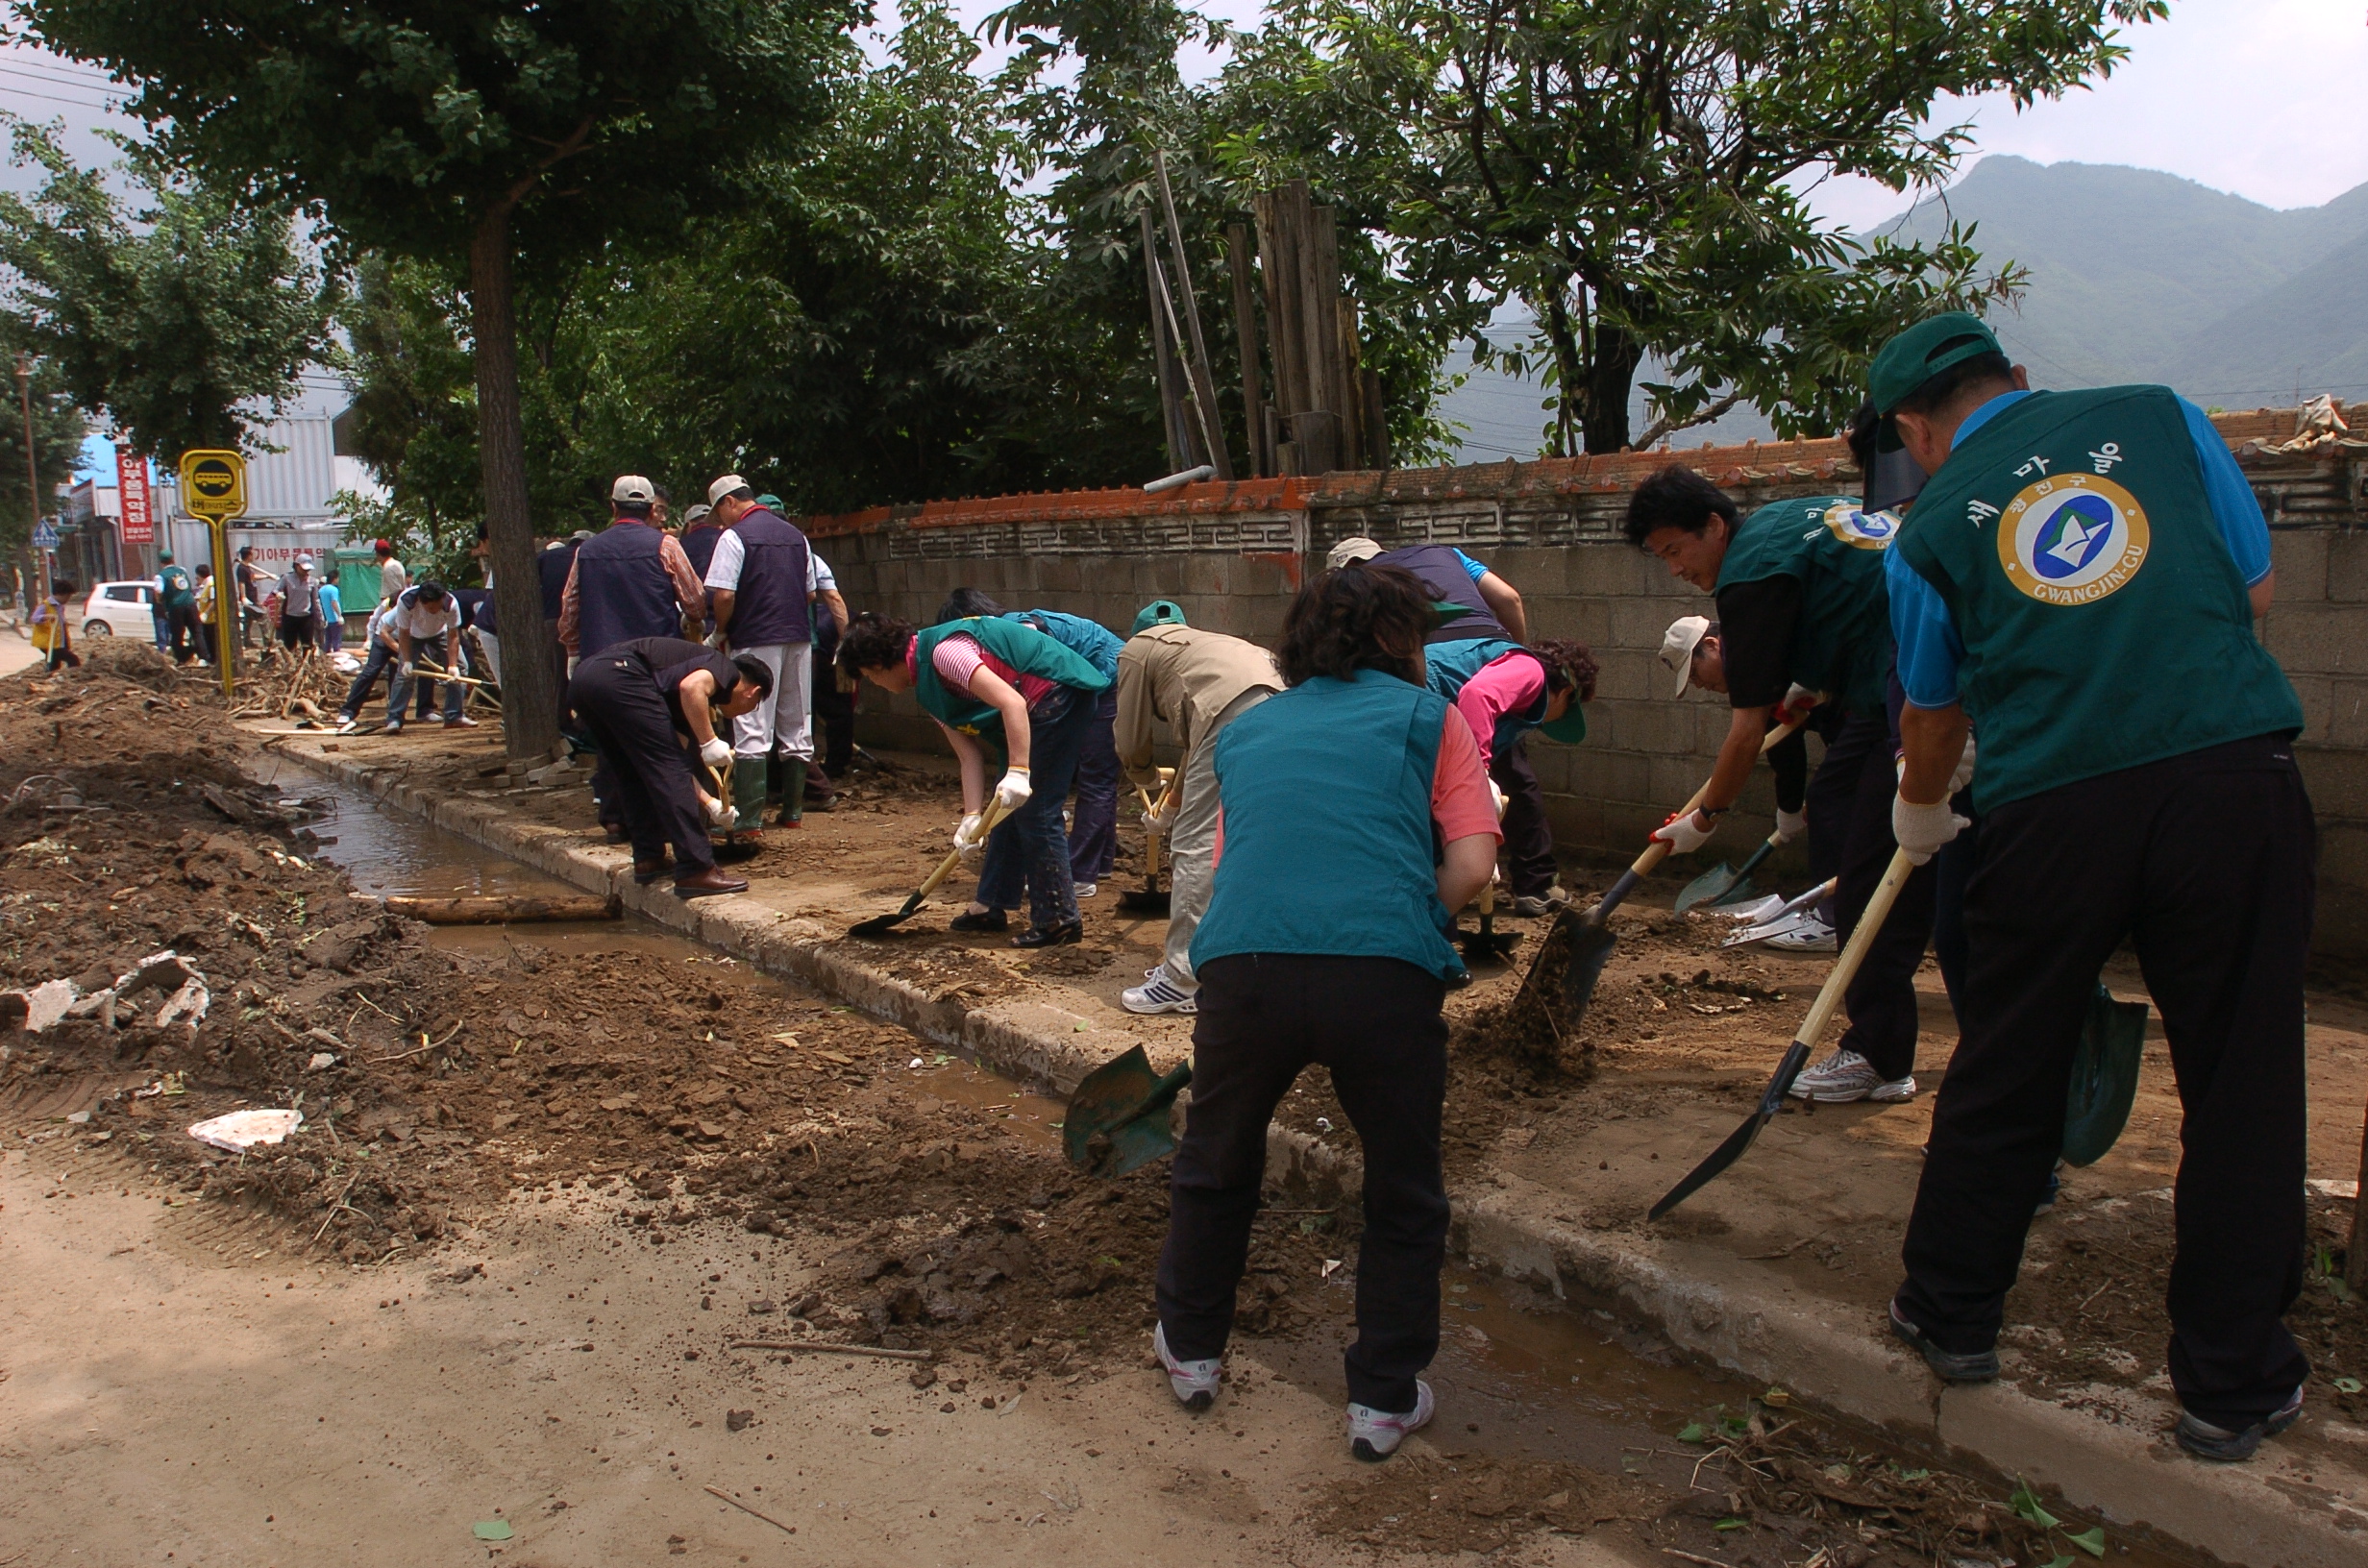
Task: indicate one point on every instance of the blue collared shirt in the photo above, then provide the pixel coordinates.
(1929, 650)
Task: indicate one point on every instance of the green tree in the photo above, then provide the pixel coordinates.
(1634, 171)
(184, 313)
(494, 133)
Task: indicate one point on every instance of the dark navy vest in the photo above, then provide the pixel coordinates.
(770, 604)
(622, 589)
(553, 565)
(698, 544)
(1444, 574)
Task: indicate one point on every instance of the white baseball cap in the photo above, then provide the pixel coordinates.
(1677, 645)
(304, 563)
(729, 485)
(632, 487)
(1355, 547)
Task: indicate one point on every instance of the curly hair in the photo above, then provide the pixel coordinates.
(1570, 665)
(1360, 617)
(872, 641)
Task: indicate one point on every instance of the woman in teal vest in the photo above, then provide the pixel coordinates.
(1323, 941)
(999, 691)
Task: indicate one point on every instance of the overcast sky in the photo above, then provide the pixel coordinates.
(2257, 97)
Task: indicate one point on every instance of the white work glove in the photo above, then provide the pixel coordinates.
(720, 812)
(1921, 830)
(1798, 701)
(967, 834)
(1498, 796)
(715, 751)
(1014, 790)
(403, 671)
(1790, 824)
(1684, 833)
(1964, 775)
(1158, 821)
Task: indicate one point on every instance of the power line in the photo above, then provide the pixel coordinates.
(47, 66)
(52, 98)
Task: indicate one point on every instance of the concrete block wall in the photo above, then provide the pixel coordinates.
(1233, 554)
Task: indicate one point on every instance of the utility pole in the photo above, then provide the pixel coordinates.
(33, 472)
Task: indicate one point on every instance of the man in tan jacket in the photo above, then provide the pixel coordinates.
(1198, 682)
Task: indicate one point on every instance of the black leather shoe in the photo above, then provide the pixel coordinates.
(994, 920)
(1051, 936)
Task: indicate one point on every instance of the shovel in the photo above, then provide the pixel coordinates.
(1118, 1119)
(1488, 944)
(1796, 1055)
(1777, 917)
(731, 851)
(1150, 898)
(1589, 942)
(881, 925)
(1722, 884)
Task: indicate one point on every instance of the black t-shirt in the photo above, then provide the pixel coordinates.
(1755, 626)
(671, 660)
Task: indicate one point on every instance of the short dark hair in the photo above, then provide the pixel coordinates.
(638, 510)
(1360, 617)
(1943, 389)
(1676, 497)
(1859, 433)
(755, 673)
(663, 494)
(245, 551)
(965, 602)
(872, 641)
(432, 591)
(60, 587)
(1570, 665)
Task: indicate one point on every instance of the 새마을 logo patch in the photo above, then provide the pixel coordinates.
(2072, 539)
(1860, 530)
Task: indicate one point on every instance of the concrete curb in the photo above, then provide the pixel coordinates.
(2113, 1459)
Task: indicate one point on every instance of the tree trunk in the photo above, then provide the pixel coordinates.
(530, 704)
(1603, 405)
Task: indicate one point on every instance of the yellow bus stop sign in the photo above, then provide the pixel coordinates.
(213, 483)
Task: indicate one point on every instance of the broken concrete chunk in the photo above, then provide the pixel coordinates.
(38, 1009)
(321, 1061)
(188, 1005)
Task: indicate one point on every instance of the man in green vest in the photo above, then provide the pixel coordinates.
(1799, 590)
(2078, 580)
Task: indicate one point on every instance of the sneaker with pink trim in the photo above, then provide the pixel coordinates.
(1375, 1434)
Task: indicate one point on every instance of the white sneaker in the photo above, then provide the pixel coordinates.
(1085, 890)
(1375, 1434)
(1194, 1381)
(1811, 935)
(1159, 995)
(1845, 1076)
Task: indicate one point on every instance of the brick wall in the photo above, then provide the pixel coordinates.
(1233, 554)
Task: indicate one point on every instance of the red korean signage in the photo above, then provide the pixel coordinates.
(138, 519)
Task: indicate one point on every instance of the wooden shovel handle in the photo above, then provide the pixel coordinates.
(1658, 849)
(987, 821)
(1861, 937)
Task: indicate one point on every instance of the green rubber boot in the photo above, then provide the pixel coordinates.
(748, 790)
(793, 793)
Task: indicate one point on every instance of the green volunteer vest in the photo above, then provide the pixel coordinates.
(1834, 549)
(1326, 795)
(1024, 647)
(2104, 621)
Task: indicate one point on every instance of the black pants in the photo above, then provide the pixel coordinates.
(834, 720)
(648, 772)
(296, 630)
(1529, 840)
(2207, 862)
(1853, 786)
(185, 636)
(1375, 1023)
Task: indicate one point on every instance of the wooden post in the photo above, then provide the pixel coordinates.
(1355, 439)
(2356, 1253)
(1180, 455)
(1204, 384)
(1246, 337)
(1278, 267)
(1376, 420)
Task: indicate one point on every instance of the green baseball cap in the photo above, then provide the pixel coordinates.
(1569, 729)
(1160, 612)
(771, 503)
(1922, 351)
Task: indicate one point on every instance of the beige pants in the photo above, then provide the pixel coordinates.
(1191, 842)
